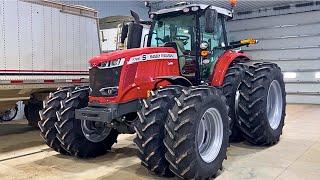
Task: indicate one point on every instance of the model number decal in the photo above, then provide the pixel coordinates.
(154, 56)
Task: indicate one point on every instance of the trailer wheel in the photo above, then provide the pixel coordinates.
(150, 129)
(197, 133)
(9, 115)
(31, 110)
(262, 104)
(83, 139)
(48, 118)
(230, 87)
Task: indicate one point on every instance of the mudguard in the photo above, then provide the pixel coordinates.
(223, 63)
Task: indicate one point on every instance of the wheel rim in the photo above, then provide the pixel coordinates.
(94, 131)
(9, 115)
(210, 135)
(274, 104)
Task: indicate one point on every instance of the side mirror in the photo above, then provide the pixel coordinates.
(135, 16)
(211, 17)
(134, 35)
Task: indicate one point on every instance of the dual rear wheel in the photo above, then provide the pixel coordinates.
(262, 103)
(256, 97)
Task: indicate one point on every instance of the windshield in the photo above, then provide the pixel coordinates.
(179, 29)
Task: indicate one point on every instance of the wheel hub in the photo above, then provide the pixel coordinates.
(94, 131)
(210, 135)
(274, 104)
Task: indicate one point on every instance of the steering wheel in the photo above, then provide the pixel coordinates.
(157, 38)
(183, 38)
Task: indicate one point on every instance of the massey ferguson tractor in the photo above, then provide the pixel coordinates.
(184, 95)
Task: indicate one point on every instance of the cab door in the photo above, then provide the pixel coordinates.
(216, 46)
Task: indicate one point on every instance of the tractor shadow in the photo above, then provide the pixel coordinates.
(117, 157)
(238, 149)
(9, 128)
(15, 136)
(136, 171)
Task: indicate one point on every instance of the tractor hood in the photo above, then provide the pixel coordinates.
(130, 53)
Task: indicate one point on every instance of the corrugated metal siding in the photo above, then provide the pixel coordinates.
(290, 40)
(41, 37)
(241, 6)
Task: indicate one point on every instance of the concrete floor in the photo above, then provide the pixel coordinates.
(296, 156)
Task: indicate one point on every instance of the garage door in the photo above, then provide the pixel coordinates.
(293, 42)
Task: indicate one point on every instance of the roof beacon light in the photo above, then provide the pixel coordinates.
(233, 3)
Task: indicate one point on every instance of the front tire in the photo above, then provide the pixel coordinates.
(197, 133)
(150, 129)
(262, 104)
(74, 134)
(48, 117)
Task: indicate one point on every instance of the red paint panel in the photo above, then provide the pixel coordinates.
(48, 81)
(138, 77)
(76, 80)
(16, 81)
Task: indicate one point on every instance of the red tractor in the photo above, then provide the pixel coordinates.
(183, 95)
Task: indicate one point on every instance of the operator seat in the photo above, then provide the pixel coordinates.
(179, 46)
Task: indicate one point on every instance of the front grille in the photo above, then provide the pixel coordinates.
(103, 78)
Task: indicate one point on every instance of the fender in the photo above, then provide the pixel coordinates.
(223, 63)
(176, 80)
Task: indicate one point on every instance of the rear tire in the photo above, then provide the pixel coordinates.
(183, 129)
(230, 87)
(150, 129)
(71, 132)
(262, 124)
(48, 117)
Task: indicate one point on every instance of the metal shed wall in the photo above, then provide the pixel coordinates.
(289, 37)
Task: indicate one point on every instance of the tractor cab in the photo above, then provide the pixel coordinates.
(198, 34)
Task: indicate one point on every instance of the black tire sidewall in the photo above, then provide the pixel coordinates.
(79, 144)
(274, 74)
(214, 166)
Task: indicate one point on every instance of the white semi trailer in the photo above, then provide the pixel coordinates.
(44, 45)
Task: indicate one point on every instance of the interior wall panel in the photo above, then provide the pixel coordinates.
(293, 42)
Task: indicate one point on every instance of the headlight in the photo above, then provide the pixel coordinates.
(204, 45)
(112, 64)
